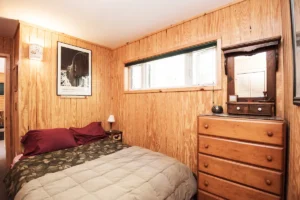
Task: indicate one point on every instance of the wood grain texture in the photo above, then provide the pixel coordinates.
(167, 122)
(291, 112)
(245, 174)
(221, 188)
(38, 105)
(207, 196)
(269, 132)
(242, 151)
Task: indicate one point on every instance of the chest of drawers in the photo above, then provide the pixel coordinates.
(241, 158)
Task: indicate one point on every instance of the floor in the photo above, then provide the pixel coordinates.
(3, 170)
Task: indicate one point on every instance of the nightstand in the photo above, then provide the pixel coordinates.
(115, 135)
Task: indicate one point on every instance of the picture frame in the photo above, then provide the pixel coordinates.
(233, 98)
(295, 25)
(74, 70)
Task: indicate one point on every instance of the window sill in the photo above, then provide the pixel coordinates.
(187, 89)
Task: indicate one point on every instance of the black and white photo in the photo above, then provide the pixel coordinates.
(74, 71)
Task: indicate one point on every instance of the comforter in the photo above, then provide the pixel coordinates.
(104, 170)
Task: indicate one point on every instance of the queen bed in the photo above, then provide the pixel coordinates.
(100, 170)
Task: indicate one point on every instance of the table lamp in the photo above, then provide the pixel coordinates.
(111, 120)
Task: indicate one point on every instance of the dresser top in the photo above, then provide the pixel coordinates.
(242, 116)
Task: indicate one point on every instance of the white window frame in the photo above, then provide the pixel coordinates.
(216, 86)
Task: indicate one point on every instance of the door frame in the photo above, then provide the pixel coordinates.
(7, 111)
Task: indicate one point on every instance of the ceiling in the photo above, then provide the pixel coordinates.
(111, 23)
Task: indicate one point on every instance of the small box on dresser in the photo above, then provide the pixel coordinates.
(241, 158)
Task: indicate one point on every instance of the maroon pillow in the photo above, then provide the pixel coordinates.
(42, 141)
(89, 133)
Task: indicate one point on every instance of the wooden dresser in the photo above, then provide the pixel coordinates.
(241, 158)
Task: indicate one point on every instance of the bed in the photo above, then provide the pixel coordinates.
(101, 170)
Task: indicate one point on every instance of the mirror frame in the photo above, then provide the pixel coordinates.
(271, 46)
(296, 99)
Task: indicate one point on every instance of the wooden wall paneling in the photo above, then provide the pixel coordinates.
(56, 104)
(226, 26)
(194, 30)
(31, 93)
(245, 20)
(257, 18)
(97, 87)
(166, 122)
(14, 106)
(24, 84)
(43, 84)
(291, 112)
(39, 105)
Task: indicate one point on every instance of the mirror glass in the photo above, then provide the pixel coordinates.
(250, 74)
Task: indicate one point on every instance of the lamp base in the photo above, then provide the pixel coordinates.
(110, 126)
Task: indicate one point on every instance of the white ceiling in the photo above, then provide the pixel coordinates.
(111, 23)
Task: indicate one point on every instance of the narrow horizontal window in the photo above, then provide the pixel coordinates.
(194, 67)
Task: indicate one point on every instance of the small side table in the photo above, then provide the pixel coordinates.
(115, 135)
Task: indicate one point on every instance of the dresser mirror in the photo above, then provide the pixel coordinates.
(251, 77)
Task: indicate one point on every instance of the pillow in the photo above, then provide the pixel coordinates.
(42, 141)
(89, 133)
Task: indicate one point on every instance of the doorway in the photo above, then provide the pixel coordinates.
(5, 146)
(2, 112)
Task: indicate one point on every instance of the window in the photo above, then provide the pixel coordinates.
(195, 67)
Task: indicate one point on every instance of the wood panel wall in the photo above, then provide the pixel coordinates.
(166, 122)
(38, 105)
(291, 112)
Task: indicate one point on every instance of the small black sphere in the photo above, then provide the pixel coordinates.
(217, 109)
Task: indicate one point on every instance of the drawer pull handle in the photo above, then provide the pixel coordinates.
(206, 146)
(268, 182)
(270, 134)
(205, 165)
(206, 183)
(206, 126)
(259, 109)
(269, 158)
(238, 108)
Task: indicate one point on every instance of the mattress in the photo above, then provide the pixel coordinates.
(104, 170)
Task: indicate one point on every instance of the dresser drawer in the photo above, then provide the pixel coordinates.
(261, 155)
(269, 132)
(259, 178)
(230, 190)
(206, 196)
(237, 109)
(266, 110)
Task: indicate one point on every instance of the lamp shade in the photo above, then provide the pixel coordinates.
(111, 118)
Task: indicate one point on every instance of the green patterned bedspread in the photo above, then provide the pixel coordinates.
(36, 166)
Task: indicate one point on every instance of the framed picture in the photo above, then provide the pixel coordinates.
(233, 98)
(295, 18)
(74, 71)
